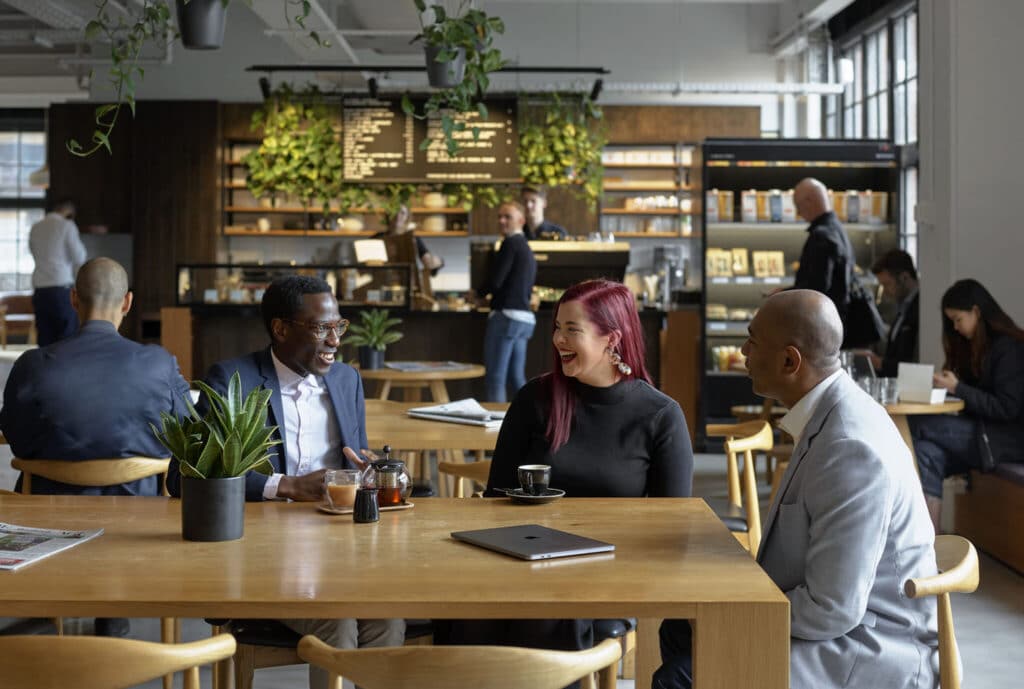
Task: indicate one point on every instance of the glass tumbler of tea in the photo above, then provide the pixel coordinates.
(340, 486)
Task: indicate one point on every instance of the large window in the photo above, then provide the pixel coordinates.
(878, 70)
(904, 93)
(22, 151)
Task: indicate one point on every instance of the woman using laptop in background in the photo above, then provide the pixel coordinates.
(985, 368)
(600, 424)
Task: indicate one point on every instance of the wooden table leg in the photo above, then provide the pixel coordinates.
(724, 632)
(385, 389)
(439, 392)
(648, 651)
(903, 426)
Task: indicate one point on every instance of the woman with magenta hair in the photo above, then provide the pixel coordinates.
(601, 426)
(595, 417)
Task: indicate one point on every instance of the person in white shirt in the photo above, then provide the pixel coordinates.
(318, 407)
(848, 526)
(58, 253)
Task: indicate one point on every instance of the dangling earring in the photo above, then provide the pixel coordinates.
(618, 363)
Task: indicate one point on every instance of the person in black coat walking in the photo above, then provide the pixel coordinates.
(827, 259)
(985, 368)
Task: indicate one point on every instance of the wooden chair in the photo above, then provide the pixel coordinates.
(958, 573)
(89, 662)
(91, 472)
(18, 317)
(781, 452)
(465, 667)
(474, 471)
(742, 514)
(97, 473)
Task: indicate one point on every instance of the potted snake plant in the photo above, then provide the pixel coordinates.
(214, 453)
(372, 335)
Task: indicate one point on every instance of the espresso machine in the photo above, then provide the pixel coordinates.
(672, 263)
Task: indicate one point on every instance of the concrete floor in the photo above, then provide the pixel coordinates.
(989, 622)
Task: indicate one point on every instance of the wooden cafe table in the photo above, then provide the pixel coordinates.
(388, 423)
(899, 411)
(412, 381)
(673, 558)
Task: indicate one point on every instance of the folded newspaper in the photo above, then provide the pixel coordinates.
(23, 545)
(467, 411)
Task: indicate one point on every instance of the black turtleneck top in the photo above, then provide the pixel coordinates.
(628, 440)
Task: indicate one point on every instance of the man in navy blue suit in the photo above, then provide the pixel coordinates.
(317, 405)
(93, 395)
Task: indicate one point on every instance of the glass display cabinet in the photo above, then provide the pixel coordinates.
(234, 284)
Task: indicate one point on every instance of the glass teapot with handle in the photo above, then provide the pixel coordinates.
(390, 477)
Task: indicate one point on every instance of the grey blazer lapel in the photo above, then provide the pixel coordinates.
(814, 427)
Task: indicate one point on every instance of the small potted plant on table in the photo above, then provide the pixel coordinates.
(214, 453)
(372, 335)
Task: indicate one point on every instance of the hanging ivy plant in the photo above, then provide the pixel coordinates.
(127, 35)
(563, 148)
(300, 154)
(471, 32)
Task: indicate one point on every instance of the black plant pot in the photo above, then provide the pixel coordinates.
(212, 509)
(370, 358)
(444, 75)
(202, 23)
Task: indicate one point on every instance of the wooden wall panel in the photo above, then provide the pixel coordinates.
(235, 119)
(100, 185)
(176, 205)
(648, 124)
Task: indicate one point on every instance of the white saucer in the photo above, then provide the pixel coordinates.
(549, 495)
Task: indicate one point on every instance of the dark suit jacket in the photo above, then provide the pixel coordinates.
(826, 262)
(997, 398)
(901, 344)
(91, 396)
(344, 387)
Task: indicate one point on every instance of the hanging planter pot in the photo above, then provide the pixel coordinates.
(443, 75)
(202, 23)
(212, 509)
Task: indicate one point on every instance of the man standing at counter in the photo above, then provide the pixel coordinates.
(58, 252)
(535, 201)
(511, 321)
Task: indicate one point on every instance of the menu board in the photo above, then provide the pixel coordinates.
(380, 143)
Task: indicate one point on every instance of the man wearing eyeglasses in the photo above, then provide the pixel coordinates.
(317, 405)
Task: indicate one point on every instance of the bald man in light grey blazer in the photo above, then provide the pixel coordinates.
(848, 526)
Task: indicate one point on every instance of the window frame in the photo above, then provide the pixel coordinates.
(19, 121)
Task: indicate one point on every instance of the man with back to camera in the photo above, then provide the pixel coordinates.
(848, 525)
(895, 272)
(535, 202)
(93, 395)
(318, 406)
(511, 321)
(58, 252)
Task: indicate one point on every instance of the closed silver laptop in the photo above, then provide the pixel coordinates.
(532, 542)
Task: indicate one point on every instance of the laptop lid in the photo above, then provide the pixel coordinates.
(914, 382)
(532, 542)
